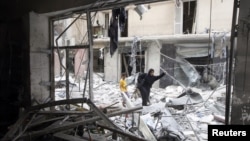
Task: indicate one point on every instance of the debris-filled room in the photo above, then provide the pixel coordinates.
(122, 70)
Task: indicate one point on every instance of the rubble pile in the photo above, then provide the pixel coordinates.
(174, 114)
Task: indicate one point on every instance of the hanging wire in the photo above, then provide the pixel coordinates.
(210, 25)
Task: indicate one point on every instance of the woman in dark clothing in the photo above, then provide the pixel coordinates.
(147, 80)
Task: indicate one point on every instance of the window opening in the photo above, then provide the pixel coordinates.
(189, 9)
(124, 33)
(70, 55)
(98, 62)
(106, 25)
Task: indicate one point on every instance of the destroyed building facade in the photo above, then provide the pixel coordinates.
(32, 59)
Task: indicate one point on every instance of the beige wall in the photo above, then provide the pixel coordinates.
(222, 12)
(159, 20)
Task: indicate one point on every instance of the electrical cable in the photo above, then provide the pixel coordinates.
(210, 25)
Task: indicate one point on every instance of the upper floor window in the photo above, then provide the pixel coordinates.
(185, 13)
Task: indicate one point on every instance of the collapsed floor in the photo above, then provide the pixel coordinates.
(174, 114)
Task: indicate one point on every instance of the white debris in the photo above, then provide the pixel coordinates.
(188, 123)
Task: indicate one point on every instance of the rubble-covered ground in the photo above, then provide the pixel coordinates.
(183, 117)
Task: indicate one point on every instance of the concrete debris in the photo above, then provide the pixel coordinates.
(161, 122)
(219, 118)
(174, 114)
(210, 79)
(186, 98)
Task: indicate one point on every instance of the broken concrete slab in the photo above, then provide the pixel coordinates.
(185, 99)
(165, 123)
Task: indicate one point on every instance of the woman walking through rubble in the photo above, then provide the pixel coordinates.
(145, 82)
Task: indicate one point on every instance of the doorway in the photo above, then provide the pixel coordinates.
(127, 62)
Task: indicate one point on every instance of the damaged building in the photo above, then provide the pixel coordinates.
(61, 62)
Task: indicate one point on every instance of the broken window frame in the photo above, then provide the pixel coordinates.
(67, 48)
(179, 17)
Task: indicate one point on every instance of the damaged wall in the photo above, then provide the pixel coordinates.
(39, 57)
(158, 20)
